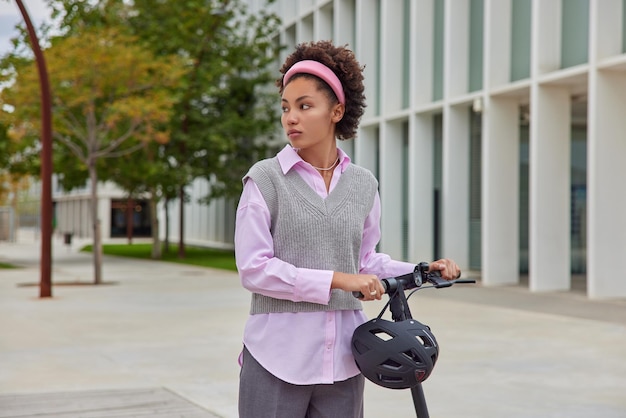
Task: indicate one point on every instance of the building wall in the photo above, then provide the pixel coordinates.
(495, 128)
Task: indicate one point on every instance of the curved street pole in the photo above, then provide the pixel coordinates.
(45, 283)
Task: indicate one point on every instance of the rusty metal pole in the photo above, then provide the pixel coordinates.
(45, 283)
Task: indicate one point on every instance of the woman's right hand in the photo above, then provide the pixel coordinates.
(368, 284)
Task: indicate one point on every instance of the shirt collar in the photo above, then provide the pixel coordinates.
(288, 158)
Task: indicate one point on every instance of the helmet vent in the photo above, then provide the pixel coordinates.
(424, 340)
(421, 340)
(383, 335)
(391, 364)
(413, 356)
(390, 380)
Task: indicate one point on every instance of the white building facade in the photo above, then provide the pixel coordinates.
(205, 225)
(497, 129)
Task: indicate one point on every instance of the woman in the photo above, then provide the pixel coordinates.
(306, 231)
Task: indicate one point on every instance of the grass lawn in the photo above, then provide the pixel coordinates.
(196, 256)
(6, 266)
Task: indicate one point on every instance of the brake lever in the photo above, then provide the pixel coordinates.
(434, 277)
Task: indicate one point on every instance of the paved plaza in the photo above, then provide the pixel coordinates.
(172, 333)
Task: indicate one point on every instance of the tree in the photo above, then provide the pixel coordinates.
(225, 108)
(110, 96)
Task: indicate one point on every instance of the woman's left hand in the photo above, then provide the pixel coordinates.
(448, 268)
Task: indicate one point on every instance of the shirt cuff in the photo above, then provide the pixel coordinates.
(313, 285)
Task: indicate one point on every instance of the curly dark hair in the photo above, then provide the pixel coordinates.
(342, 62)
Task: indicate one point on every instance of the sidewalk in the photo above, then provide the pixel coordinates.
(154, 325)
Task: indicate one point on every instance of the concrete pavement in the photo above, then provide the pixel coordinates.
(504, 351)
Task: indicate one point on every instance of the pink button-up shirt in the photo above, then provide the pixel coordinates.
(305, 347)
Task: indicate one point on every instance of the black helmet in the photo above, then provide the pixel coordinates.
(396, 355)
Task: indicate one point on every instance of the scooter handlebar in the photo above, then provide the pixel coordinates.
(416, 279)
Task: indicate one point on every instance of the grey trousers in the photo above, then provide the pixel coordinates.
(262, 395)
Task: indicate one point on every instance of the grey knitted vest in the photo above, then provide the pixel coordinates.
(312, 232)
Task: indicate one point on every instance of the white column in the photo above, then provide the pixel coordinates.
(546, 36)
(605, 29)
(421, 178)
(500, 154)
(344, 23)
(366, 22)
(500, 192)
(497, 43)
(390, 189)
(421, 135)
(456, 48)
(549, 179)
(549, 214)
(391, 53)
(455, 153)
(455, 185)
(606, 196)
(422, 40)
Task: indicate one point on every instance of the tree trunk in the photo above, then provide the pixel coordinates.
(154, 226)
(97, 240)
(167, 225)
(15, 190)
(181, 233)
(130, 209)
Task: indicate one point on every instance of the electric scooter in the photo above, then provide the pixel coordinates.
(395, 287)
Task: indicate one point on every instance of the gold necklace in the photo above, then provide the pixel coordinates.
(326, 169)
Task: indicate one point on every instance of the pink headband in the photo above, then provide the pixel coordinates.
(320, 70)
